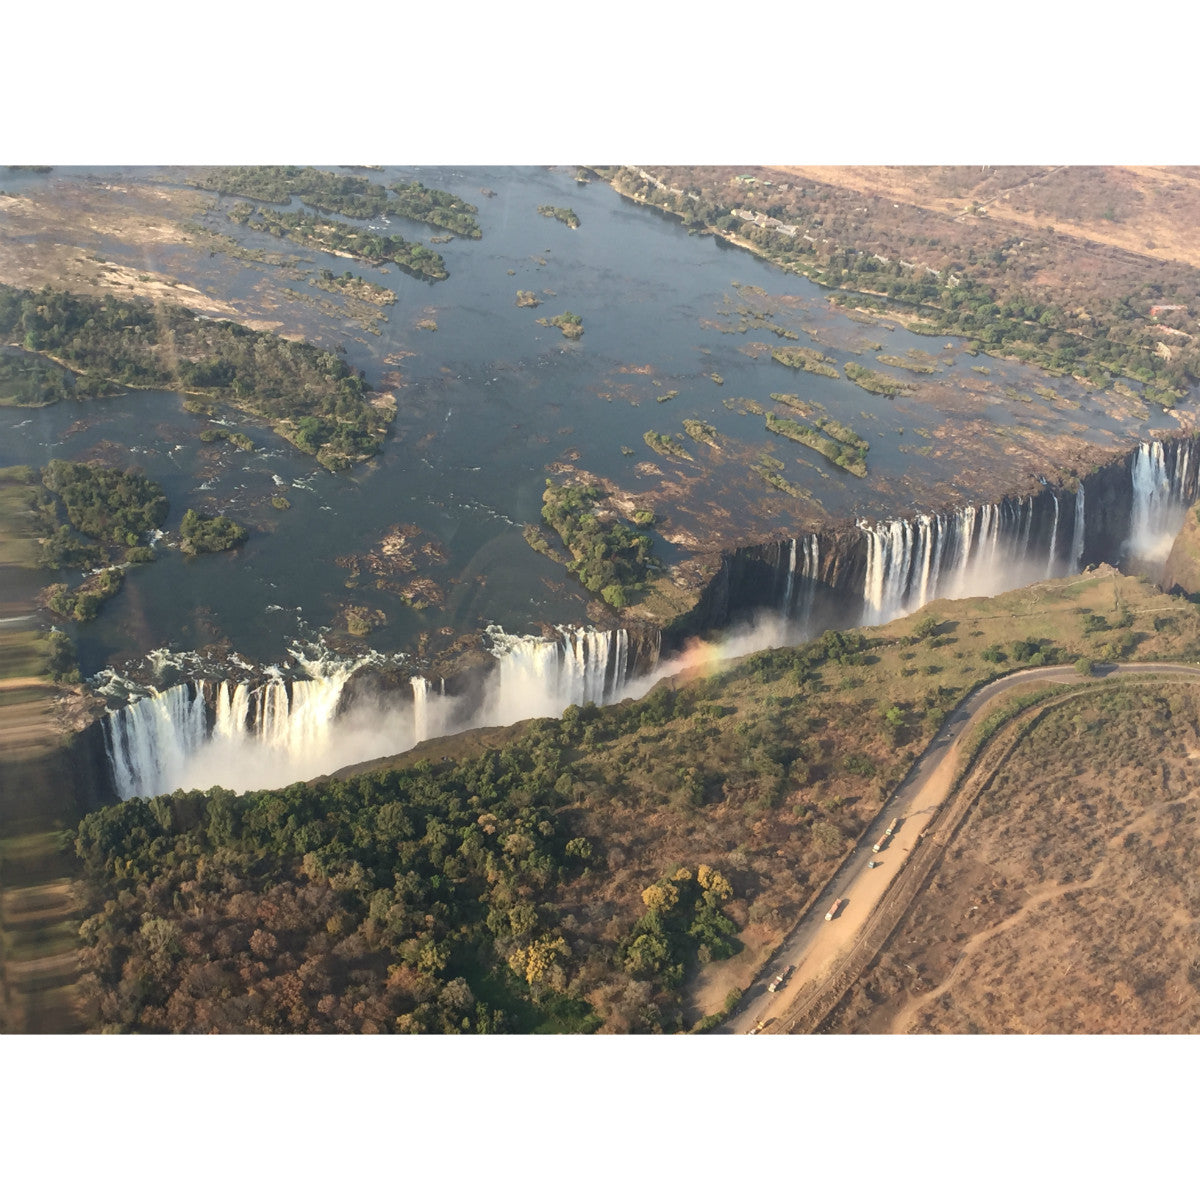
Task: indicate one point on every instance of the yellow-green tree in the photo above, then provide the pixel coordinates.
(661, 896)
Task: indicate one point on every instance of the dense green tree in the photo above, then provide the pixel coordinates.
(203, 533)
(114, 343)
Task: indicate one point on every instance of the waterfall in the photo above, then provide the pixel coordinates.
(1053, 538)
(1027, 518)
(791, 576)
(539, 677)
(150, 742)
(971, 552)
(420, 691)
(235, 735)
(811, 569)
(1180, 483)
(927, 541)
(889, 567)
(804, 563)
(980, 549)
(937, 536)
(966, 528)
(1161, 493)
(242, 736)
(1077, 533)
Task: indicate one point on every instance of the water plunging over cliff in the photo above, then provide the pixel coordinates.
(244, 735)
(886, 569)
(540, 677)
(1163, 486)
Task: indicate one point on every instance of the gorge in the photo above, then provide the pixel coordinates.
(408, 761)
(246, 733)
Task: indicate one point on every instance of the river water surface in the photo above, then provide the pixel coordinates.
(491, 404)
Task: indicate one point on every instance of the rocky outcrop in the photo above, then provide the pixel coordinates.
(1181, 572)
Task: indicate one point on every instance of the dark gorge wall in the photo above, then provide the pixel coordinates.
(1125, 513)
(268, 732)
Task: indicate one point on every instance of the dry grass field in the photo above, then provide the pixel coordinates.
(1068, 902)
(1150, 210)
(708, 787)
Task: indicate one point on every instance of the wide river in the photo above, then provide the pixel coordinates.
(676, 326)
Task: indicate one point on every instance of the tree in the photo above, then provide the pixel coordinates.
(714, 882)
(614, 594)
(660, 897)
(926, 627)
(535, 961)
(204, 534)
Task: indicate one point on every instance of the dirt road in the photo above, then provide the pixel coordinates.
(816, 946)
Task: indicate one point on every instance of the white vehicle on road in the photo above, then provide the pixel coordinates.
(780, 980)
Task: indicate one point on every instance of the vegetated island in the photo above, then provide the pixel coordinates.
(915, 365)
(702, 431)
(767, 468)
(215, 433)
(203, 533)
(609, 557)
(337, 237)
(354, 286)
(566, 215)
(93, 519)
(666, 445)
(361, 620)
(877, 381)
(840, 445)
(627, 868)
(307, 395)
(743, 405)
(347, 195)
(569, 323)
(805, 359)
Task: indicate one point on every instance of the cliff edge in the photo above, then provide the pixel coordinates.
(1181, 572)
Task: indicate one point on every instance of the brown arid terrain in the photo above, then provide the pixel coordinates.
(781, 839)
(55, 240)
(1146, 210)
(1066, 902)
(1076, 213)
(38, 909)
(94, 237)
(1092, 270)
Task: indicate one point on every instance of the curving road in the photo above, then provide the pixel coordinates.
(815, 945)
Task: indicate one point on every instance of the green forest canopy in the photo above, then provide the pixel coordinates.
(114, 343)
